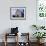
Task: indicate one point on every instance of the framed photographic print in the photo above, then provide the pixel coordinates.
(41, 8)
(41, 12)
(17, 13)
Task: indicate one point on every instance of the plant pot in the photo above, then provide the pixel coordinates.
(40, 41)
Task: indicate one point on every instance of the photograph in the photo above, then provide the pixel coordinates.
(17, 13)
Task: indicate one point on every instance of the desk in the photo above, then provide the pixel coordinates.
(17, 43)
(8, 34)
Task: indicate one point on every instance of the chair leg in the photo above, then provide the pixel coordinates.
(5, 43)
(5, 40)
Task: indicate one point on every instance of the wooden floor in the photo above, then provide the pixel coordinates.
(13, 44)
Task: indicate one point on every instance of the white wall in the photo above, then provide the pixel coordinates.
(24, 25)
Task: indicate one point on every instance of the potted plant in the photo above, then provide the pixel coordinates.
(38, 27)
(39, 35)
(42, 27)
(35, 26)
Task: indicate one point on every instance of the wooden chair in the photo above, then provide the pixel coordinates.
(25, 36)
(8, 34)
